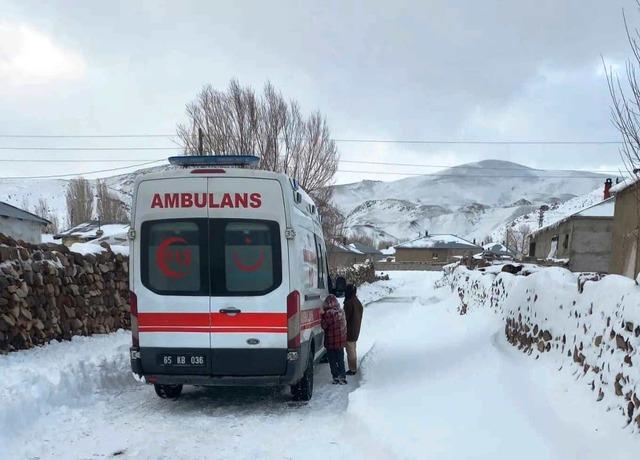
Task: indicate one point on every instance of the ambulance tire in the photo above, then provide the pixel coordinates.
(303, 390)
(168, 391)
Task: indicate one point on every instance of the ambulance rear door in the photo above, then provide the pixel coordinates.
(249, 276)
(172, 260)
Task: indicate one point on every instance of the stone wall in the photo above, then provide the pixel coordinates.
(48, 292)
(588, 323)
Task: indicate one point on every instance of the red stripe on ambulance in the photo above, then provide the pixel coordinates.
(213, 322)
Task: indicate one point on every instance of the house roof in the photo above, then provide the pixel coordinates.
(337, 247)
(6, 210)
(604, 209)
(625, 184)
(89, 230)
(497, 248)
(364, 248)
(440, 241)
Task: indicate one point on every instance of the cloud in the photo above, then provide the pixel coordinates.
(29, 57)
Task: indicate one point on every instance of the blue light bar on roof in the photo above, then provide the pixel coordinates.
(214, 160)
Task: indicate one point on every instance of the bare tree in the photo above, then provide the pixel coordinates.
(43, 210)
(625, 98)
(237, 121)
(625, 114)
(516, 238)
(79, 201)
(110, 208)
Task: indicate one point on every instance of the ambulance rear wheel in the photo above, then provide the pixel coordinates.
(303, 390)
(168, 391)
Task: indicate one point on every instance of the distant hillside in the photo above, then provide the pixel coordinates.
(472, 200)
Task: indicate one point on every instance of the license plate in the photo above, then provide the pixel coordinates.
(181, 360)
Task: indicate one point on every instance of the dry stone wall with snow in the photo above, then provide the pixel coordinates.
(48, 292)
(591, 325)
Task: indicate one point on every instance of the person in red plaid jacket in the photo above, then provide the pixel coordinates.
(335, 337)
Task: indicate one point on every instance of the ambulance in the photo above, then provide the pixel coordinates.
(228, 274)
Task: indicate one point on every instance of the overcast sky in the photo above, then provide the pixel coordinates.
(432, 70)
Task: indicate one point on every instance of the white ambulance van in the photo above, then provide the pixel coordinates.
(228, 273)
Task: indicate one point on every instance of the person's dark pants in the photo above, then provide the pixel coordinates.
(336, 363)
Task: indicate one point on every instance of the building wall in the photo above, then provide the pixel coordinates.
(544, 239)
(436, 256)
(625, 259)
(586, 242)
(344, 259)
(18, 229)
(591, 245)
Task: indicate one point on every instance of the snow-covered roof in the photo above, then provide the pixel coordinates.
(89, 231)
(6, 210)
(624, 184)
(441, 241)
(364, 248)
(337, 247)
(497, 248)
(604, 209)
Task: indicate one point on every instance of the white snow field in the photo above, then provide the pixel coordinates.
(433, 384)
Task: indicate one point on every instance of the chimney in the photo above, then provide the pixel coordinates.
(607, 188)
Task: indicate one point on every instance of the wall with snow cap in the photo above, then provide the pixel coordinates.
(48, 292)
(588, 322)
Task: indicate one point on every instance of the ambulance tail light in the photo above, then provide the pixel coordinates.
(133, 308)
(293, 319)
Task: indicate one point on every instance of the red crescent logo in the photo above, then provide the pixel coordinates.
(248, 268)
(164, 254)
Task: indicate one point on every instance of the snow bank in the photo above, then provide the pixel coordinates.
(592, 327)
(33, 382)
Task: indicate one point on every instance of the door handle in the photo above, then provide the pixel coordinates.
(230, 311)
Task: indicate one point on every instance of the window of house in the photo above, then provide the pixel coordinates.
(565, 243)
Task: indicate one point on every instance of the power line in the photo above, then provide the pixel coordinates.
(350, 140)
(81, 136)
(477, 142)
(177, 147)
(56, 176)
(66, 160)
(422, 165)
(469, 176)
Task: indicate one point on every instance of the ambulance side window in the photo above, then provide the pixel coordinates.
(173, 257)
(249, 263)
(320, 257)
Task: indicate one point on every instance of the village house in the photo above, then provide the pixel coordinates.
(372, 253)
(626, 230)
(20, 224)
(434, 249)
(582, 241)
(342, 255)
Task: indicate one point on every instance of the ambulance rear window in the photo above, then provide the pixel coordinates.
(249, 252)
(172, 252)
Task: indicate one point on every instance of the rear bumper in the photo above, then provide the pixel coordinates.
(254, 375)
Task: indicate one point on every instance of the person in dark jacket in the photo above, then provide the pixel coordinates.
(353, 311)
(335, 337)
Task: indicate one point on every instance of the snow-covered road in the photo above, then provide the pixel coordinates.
(434, 385)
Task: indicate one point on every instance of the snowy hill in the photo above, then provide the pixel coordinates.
(472, 200)
(26, 193)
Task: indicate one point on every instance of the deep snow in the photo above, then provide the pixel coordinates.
(433, 384)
